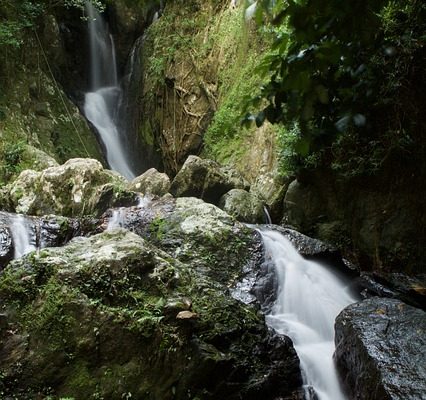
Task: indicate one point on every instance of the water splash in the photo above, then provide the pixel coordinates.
(309, 298)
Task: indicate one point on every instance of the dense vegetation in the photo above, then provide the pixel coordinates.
(347, 80)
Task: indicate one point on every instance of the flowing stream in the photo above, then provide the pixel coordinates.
(101, 104)
(309, 298)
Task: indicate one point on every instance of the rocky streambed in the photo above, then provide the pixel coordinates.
(166, 302)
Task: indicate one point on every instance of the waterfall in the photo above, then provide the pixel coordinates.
(268, 219)
(21, 235)
(100, 106)
(309, 298)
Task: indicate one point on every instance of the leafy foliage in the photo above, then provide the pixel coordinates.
(19, 15)
(352, 68)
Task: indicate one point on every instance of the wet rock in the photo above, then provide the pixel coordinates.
(243, 206)
(6, 247)
(309, 247)
(381, 348)
(409, 289)
(204, 179)
(151, 182)
(46, 231)
(98, 308)
(78, 187)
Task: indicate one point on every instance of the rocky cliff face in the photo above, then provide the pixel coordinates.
(198, 60)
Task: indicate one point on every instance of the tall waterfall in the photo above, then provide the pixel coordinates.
(101, 103)
(308, 301)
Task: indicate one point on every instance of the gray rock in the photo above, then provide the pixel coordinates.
(271, 189)
(204, 179)
(151, 182)
(381, 350)
(307, 246)
(79, 187)
(244, 206)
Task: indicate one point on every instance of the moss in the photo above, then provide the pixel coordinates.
(36, 111)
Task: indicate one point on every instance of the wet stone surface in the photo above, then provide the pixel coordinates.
(381, 349)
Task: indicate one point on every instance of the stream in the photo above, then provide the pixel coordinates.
(309, 298)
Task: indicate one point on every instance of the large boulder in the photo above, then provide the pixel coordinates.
(244, 206)
(191, 231)
(151, 182)
(381, 350)
(303, 207)
(79, 187)
(112, 316)
(204, 179)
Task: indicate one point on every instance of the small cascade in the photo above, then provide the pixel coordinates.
(268, 219)
(101, 104)
(119, 218)
(309, 298)
(22, 236)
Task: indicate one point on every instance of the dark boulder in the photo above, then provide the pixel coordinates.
(6, 248)
(381, 350)
(410, 289)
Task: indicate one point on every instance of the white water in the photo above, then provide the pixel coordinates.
(118, 217)
(101, 104)
(268, 219)
(21, 235)
(309, 299)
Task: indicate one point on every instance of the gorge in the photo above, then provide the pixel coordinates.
(119, 280)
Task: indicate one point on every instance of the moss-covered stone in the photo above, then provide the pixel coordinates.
(93, 320)
(78, 187)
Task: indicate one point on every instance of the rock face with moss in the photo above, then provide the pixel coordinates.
(114, 316)
(34, 109)
(198, 60)
(151, 182)
(205, 179)
(243, 206)
(78, 187)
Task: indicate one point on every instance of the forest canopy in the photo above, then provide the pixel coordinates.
(344, 77)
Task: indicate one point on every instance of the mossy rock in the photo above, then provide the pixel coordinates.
(93, 319)
(78, 187)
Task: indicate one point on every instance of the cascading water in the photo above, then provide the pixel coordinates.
(118, 217)
(309, 299)
(101, 103)
(21, 234)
